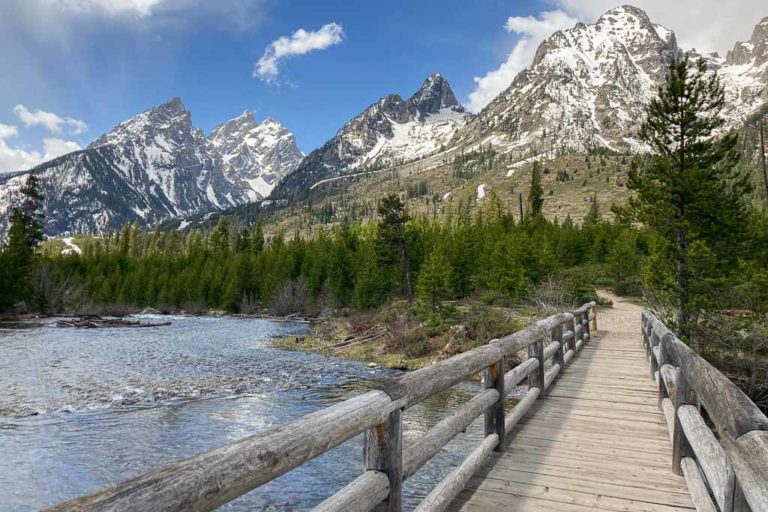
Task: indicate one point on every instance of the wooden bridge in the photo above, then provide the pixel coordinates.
(604, 425)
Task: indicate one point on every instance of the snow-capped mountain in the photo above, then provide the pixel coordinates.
(389, 131)
(256, 155)
(588, 86)
(158, 165)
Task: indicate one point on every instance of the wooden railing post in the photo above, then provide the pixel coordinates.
(494, 415)
(680, 446)
(585, 332)
(651, 345)
(383, 451)
(559, 356)
(663, 392)
(536, 377)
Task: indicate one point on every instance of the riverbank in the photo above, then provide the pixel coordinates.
(395, 336)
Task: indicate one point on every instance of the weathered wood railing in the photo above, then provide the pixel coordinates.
(726, 466)
(211, 479)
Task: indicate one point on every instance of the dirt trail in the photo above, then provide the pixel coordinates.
(623, 319)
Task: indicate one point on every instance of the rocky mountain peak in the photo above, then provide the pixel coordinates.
(171, 116)
(755, 49)
(240, 124)
(434, 95)
(625, 17)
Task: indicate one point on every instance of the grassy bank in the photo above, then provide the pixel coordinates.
(394, 336)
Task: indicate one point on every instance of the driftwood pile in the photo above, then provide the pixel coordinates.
(95, 322)
(371, 334)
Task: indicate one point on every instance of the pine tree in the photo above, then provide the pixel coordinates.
(692, 191)
(593, 216)
(18, 257)
(257, 239)
(536, 194)
(392, 240)
(220, 239)
(31, 210)
(433, 285)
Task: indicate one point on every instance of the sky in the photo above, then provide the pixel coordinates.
(72, 69)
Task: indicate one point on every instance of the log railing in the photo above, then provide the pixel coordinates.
(725, 460)
(211, 479)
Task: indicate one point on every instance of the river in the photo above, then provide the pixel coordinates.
(83, 409)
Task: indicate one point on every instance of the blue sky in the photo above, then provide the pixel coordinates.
(98, 62)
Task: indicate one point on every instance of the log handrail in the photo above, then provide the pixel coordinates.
(726, 466)
(213, 478)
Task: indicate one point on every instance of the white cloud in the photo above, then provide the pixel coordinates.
(532, 31)
(50, 121)
(20, 159)
(57, 147)
(139, 8)
(12, 159)
(707, 25)
(299, 43)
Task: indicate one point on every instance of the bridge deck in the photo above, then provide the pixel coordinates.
(597, 442)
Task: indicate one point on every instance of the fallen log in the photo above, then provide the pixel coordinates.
(94, 322)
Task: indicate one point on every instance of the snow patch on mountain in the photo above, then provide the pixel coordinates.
(588, 87)
(388, 132)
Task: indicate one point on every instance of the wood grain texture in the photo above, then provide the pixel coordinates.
(748, 455)
(697, 485)
(383, 451)
(442, 495)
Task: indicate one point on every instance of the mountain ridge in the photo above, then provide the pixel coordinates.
(389, 130)
(157, 165)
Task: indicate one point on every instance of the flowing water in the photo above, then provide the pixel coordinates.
(83, 409)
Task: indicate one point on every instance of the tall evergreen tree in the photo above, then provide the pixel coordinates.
(31, 210)
(392, 240)
(434, 283)
(536, 193)
(692, 191)
(593, 216)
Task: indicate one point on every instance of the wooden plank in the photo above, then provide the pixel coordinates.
(596, 474)
(576, 497)
(581, 463)
(566, 403)
(597, 427)
(583, 484)
(480, 500)
(608, 441)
